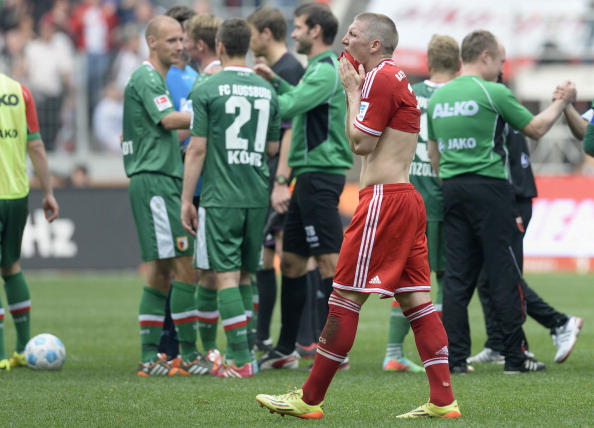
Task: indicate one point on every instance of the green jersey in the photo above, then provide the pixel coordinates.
(237, 111)
(422, 175)
(318, 108)
(467, 118)
(147, 146)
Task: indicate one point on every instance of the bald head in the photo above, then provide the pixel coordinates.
(159, 23)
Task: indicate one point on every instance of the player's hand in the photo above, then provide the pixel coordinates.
(280, 197)
(264, 71)
(189, 218)
(566, 92)
(50, 208)
(352, 80)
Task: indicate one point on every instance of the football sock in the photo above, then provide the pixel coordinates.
(432, 344)
(208, 316)
(266, 280)
(336, 341)
(439, 295)
(247, 298)
(397, 330)
(151, 317)
(169, 344)
(253, 325)
(325, 290)
(293, 297)
(19, 305)
(2, 350)
(308, 332)
(185, 317)
(235, 324)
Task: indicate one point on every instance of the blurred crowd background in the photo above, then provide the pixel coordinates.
(76, 56)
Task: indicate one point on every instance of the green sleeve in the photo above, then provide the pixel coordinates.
(155, 99)
(510, 108)
(274, 122)
(199, 125)
(589, 140)
(316, 87)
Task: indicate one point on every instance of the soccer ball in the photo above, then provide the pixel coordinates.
(45, 352)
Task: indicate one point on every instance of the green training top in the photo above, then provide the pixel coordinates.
(422, 175)
(467, 117)
(147, 145)
(237, 111)
(318, 108)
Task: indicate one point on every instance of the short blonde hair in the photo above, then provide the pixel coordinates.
(443, 54)
(204, 26)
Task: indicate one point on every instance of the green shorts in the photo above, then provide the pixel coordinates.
(13, 218)
(156, 205)
(436, 245)
(230, 239)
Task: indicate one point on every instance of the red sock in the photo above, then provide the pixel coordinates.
(432, 344)
(335, 343)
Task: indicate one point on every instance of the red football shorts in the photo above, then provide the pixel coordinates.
(385, 248)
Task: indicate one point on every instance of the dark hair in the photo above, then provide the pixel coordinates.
(475, 43)
(271, 18)
(180, 13)
(319, 14)
(235, 35)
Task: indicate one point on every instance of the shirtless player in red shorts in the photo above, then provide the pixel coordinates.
(384, 249)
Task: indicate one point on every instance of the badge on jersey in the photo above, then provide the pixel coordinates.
(182, 243)
(163, 102)
(362, 111)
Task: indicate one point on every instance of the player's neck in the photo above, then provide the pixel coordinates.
(275, 52)
(161, 68)
(441, 77)
(206, 60)
(317, 49)
(237, 61)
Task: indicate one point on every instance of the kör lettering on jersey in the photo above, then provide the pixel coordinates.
(242, 157)
(245, 91)
(460, 108)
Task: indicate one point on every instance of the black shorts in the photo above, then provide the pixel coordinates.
(313, 225)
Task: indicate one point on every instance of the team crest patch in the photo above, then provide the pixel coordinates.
(182, 243)
(163, 102)
(362, 111)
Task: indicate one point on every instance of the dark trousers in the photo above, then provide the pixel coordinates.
(479, 225)
(536, 307)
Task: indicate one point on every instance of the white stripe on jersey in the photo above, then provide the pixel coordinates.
(368, 237)
(163, 233)
(367, 129)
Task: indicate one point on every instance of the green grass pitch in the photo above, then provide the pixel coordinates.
(95, 315)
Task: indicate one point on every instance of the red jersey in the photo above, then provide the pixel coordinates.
(387, 100)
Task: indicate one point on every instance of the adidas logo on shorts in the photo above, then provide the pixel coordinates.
(375, 280)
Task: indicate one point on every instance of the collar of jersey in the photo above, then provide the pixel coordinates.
(238, 68)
